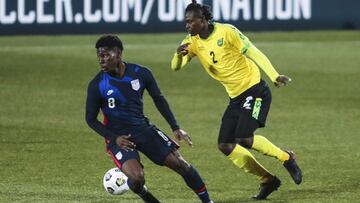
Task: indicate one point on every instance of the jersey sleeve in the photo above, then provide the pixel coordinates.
(238, 39)
(243, 44)
(263, 62)
(159, 100)
(179, 61)
(93, 104)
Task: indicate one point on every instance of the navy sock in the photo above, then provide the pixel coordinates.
(143, 193)
(194, 181)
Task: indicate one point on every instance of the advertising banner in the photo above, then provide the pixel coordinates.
(105, 16)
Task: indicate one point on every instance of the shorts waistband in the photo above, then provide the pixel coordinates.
(242, 95)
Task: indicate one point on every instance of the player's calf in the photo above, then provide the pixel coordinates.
(192, 178)
(194, 181)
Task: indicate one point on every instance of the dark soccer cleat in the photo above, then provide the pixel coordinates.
(292, 167)
(267, 188)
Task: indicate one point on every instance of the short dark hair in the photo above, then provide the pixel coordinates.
(109, 41)
(201, 10)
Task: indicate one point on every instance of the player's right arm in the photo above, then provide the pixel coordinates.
(93, 104)
(182, 55)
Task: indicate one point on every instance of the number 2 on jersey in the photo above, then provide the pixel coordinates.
(212, 54)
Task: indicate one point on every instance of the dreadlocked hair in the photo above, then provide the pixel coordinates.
(201, 10)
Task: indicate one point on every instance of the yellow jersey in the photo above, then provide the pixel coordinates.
(224, 55)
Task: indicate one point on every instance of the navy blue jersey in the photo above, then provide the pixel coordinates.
(120, 100)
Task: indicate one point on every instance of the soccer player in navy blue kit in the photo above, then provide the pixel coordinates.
(117, 90)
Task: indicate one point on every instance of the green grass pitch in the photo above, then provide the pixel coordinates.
(48, 154)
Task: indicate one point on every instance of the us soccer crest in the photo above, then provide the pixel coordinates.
(135, 84)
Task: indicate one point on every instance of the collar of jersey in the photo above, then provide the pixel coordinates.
(124, 78)
(211, 34)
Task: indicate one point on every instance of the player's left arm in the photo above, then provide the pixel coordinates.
(264, 63)
(242, 43)
(163, 107)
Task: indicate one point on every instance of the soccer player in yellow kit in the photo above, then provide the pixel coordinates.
(229, 57)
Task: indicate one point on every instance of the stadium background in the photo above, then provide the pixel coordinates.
(48, 154)
(91, 16)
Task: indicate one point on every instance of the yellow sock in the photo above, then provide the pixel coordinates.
(243, 159)
(264, 146)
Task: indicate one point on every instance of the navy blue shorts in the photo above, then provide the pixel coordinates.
(151, 141)
(245, 114)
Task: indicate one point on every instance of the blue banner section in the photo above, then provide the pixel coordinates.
(116, 16)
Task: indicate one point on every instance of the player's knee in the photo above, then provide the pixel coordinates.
(182, 167)
(246, 142)
(177, 163)
(226, 148)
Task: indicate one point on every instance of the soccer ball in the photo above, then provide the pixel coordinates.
(115, 182)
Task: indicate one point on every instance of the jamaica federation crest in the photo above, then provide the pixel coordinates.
(220, 42)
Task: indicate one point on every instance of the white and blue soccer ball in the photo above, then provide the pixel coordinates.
(115, 182)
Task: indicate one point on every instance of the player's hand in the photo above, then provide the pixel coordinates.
(183, 49)
(124, 143)
(282, 80)
(182, 135)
